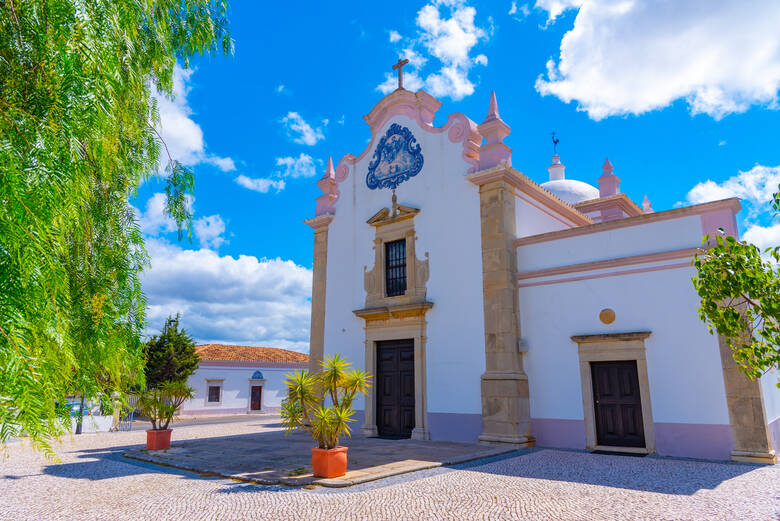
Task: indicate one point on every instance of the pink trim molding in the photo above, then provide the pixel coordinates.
(604, 275)
(731, 205)
(685, 253)
(711, 222)
(419, 106)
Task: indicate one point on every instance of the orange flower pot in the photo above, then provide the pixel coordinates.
(329, 463)
(158, 440)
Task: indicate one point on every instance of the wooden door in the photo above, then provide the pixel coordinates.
(617, 403)
(395, 388)
(257, 398)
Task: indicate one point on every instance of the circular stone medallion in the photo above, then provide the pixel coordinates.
(607, 316)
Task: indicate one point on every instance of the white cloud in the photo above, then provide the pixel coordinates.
(447, 32)
(300, 131)
(280, 89)
(260, 184)
(302, 166)
(184, 137)
(394, 36)
(286, 167)
(154, 222)
(341, 120)
(209, 231)
(242, 300)
(554, 8)
(755, 185)
(763, 236)
(519, 13)
(631, 57)
(722, 143)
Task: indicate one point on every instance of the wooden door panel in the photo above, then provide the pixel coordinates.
(617, 404)
(256, 400)
(395, 388)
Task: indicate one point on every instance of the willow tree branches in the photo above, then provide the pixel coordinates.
(77, 137)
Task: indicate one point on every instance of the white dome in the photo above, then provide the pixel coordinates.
(571, 191)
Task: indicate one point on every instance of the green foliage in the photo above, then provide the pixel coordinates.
(77, 137)
(304, 408)
(160, 404)
(170, 356)
(740, 299)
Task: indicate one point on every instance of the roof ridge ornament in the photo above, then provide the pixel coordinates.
(494, 152)
(400, 67)
(609, 183)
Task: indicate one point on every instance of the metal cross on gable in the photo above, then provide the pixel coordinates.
(400, 66)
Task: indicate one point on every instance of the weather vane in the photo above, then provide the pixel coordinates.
(555, 144)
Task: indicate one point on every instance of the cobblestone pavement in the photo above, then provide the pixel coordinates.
(94, 482)
(270, 457)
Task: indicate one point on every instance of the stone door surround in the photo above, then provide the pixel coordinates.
(612, 347)
(399, 317)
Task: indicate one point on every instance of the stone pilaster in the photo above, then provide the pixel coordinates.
(319, 277)
(747, 415)
(506, 416)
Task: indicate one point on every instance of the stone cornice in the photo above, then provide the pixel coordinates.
(396, 311)
(320, 221)
(698, 209)
(622, 201)
(524, 184)
(611, 337)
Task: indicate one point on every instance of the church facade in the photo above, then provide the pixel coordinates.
(493, 309)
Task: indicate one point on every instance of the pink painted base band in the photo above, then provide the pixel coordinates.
(681, 440)
(694, 440)
(559, 434)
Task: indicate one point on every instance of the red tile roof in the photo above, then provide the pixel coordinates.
(249, 353)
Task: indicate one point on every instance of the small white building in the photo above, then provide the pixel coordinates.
(492, 308)
(240, 379)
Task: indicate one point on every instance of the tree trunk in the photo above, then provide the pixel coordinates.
(81, 415)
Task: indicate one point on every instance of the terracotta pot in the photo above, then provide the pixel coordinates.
(158, 440)
(329, 463)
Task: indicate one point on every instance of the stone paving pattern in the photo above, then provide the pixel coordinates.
(270, 457)
(94, 482)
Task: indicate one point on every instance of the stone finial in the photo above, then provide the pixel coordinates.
(609, 183)
(330, 190)
(646, 205)
(556, 169)
(493, 108)
(494, 152)
(607, 167)
(329, 171)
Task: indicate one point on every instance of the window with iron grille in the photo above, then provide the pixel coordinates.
(214, 391)
(395, 267)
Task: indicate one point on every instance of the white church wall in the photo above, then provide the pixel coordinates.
(687, 390)
(533, 220)
(235, 388)
(448, 229)
(771, 393)
(672, 234)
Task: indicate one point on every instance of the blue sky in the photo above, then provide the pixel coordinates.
(682, 99)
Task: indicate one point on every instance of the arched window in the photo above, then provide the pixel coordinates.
(257, 375)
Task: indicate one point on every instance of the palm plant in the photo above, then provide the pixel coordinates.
(307, 394)
(160, 403)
